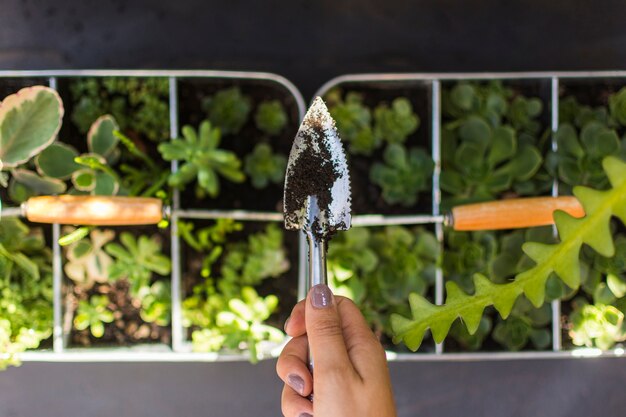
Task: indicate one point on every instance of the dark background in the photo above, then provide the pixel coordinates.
(310, 42)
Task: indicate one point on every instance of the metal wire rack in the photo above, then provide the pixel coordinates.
(179, 350)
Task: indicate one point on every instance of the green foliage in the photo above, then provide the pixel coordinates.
(394, 124)
(203, 159)
(225, 312)
(25, 290)
(499, 256)
(271, 117)
(354, 122)
(560, 258)
(156, 303)
(490, 144)
(403, 175)
(87, 262)
(596, 325)
(140, 106)
(29, 122)
(263, 166)
(377, 269)
(249, 263)
(585, 136)
(93, 315)
(617, 106)
(228, 110)
(136, 259)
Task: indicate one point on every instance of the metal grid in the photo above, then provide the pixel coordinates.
(180, 350)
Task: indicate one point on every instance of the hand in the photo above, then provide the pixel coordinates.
(350, 367)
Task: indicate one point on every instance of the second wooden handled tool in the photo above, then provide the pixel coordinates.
(119, 211)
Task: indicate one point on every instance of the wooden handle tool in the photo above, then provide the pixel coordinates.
(94, 210)
(513, 214)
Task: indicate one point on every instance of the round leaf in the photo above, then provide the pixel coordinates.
(29, 122)
(57, 161)
(100, 138)
(40, 185)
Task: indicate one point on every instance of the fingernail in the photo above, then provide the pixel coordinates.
(321, 296)
(305, 415)
(287, 323)
(296, 383)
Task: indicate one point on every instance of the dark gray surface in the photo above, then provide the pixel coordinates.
(524, 388)
(310, 41)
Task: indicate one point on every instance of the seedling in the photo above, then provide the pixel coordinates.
(265, 167)
(271, 117)
(228, 110)
(93, 315)
(202, 159)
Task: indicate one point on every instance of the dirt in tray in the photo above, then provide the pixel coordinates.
(238, 196)
(127, 328)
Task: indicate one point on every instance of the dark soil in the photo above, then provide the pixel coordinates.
(591, 92)
(242, 196)
(13, 85)
(128, 328)
(285, 287)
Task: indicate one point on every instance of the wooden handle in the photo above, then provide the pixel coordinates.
(514, 213)
(94, 210)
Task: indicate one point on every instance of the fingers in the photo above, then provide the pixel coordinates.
(364, 349)
(293, 405)
(295, 325)
(292, 366)
(325, 333)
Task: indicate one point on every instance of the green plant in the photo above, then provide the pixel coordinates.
(271, 117)
(25, 290)
(377, 269)
(248, 263)
(617, 106)
(490, 144)
(596, 325)
(561, 258)
(396, 123)
(87, 261)
(354, 122)
(224, 311)
(228, 110)
(93, 314)
(136, 259)
(29, 123)
(585, 136)
(156, 303)
(202, 159)
(403, 175)
(139, 105)
(263, 166)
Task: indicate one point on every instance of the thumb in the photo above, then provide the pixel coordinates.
(325, 331)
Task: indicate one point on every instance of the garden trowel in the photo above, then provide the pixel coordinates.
(317, 187)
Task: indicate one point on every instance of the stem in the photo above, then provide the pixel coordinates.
(132, 148)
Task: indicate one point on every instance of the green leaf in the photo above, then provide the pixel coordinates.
(29, 122)
(39, 185)
(100, 138)
(593, 229)
(57, 161)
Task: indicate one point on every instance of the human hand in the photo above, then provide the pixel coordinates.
(351, 374)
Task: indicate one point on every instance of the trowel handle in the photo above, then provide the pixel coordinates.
(94, 210)
(514, 213)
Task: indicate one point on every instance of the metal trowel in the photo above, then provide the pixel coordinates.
(317, 187)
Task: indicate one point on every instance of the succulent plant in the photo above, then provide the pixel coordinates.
(490, 144)
(136, 259)
(93, 314)
(228, 110)
(138, 105)
(271, 117)
(156, 303)
(87, 262)
(29, 122)
(263, 166)
(403, 175)
(396, 123)
(354, 122)
(617, 106)
(202, 159)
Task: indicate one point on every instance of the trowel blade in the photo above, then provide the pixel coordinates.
(317, 172)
